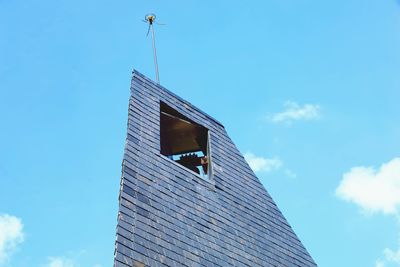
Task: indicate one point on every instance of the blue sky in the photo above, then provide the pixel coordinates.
(308, 90)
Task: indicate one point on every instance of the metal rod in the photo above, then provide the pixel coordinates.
(155, 52)
(150, 18)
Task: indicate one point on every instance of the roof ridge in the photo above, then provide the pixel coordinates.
(136, 72)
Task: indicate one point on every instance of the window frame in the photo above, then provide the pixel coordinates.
(205, 177)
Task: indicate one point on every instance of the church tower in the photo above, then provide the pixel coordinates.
(187, 195)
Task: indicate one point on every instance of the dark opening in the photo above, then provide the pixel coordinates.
(183, 140)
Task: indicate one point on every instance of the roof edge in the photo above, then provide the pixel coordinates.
(136, 72)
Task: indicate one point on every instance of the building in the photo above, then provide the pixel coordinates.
(188, 197)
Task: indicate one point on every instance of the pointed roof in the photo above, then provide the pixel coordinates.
(171, 216)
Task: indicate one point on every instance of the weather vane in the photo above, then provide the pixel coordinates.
(150, 19)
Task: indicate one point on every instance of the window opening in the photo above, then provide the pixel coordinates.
(184, 141)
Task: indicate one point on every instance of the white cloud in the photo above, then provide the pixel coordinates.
(70, 259)
(290, 174)
(262, 164)
(373, 190)
(392, 256)
(379, 263)
(293, 112)
(11, 234)
(59, 262)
